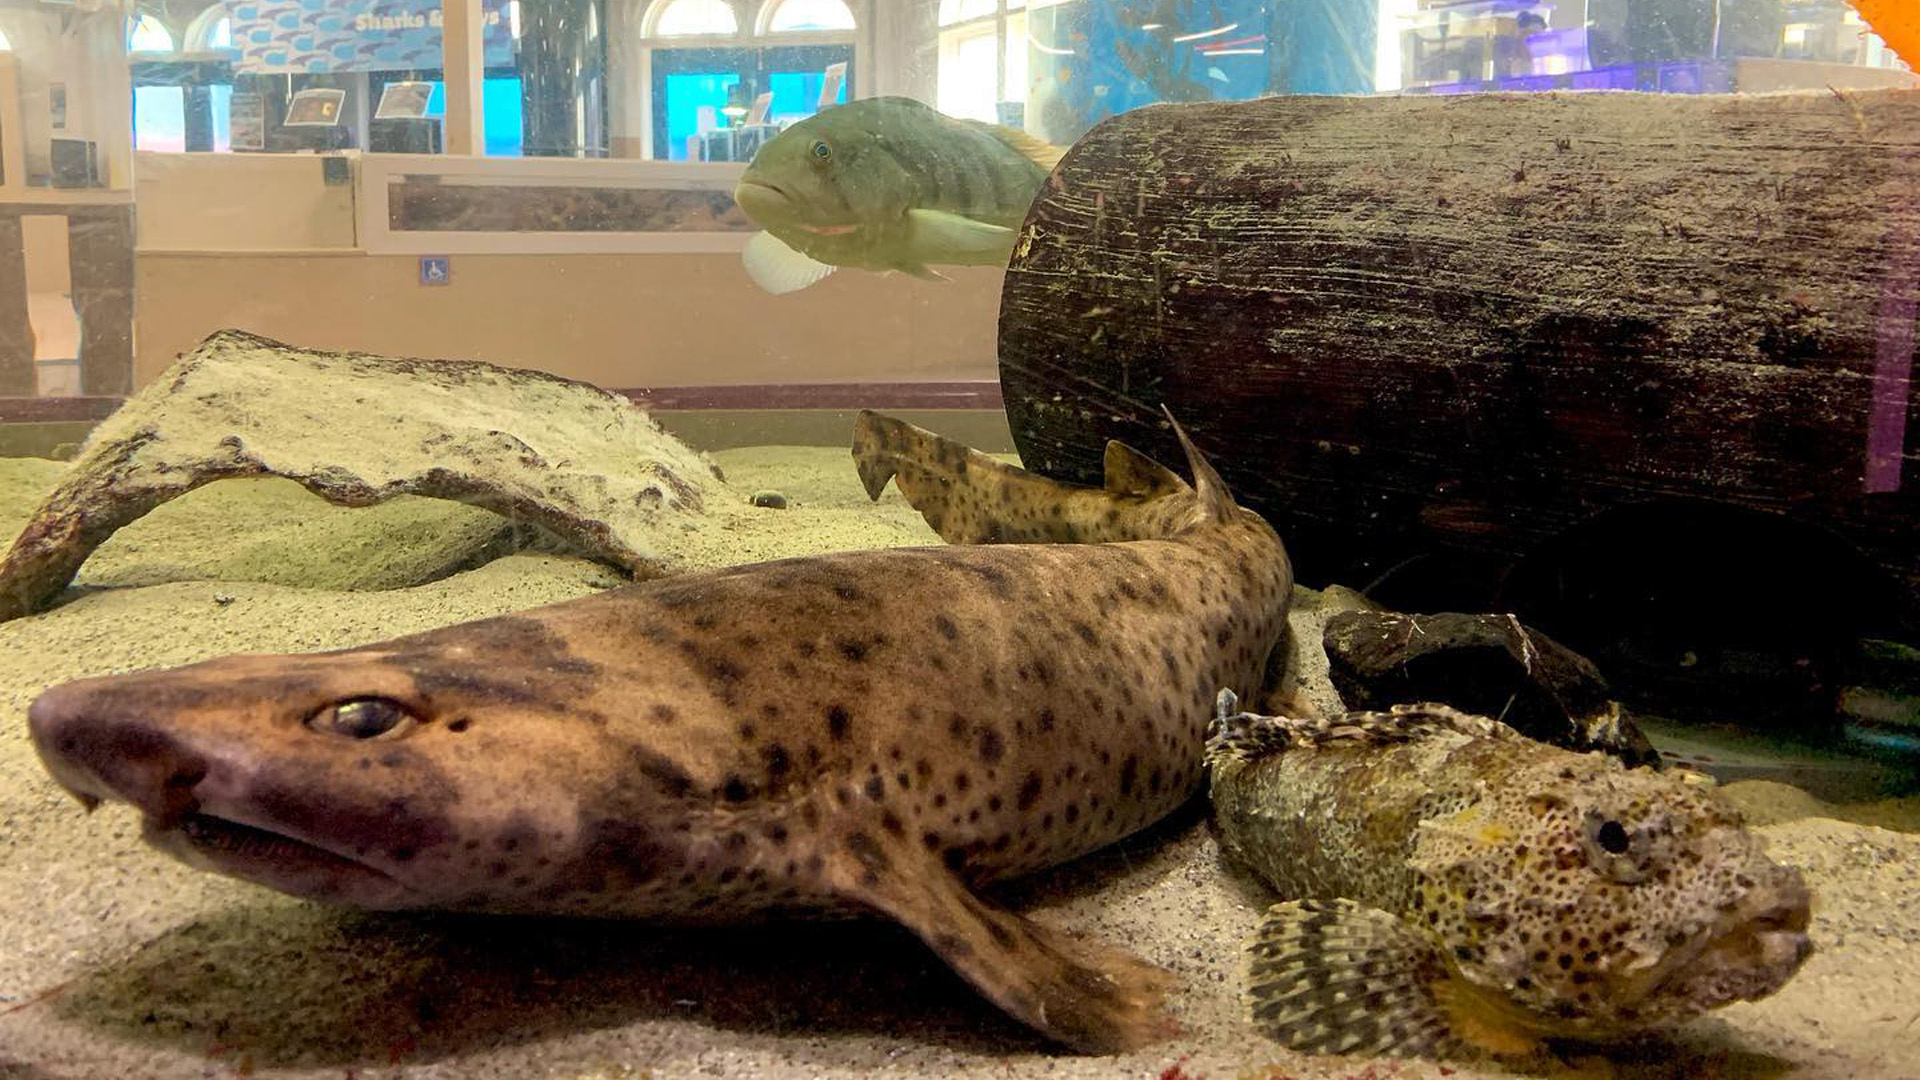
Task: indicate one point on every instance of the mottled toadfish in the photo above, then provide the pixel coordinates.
(1455, 888)
(876, 732)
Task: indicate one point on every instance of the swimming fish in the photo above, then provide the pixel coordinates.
(1898, 24)
(1455, 888)
(876, 732)
(885, 184)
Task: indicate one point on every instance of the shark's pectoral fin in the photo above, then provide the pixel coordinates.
(1090, 997)
(939, 236)
(1342, 978)
(778, 268)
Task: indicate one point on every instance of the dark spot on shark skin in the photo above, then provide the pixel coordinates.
(839, 722)
(946, 627)
(876, 788)
(1029, 792)
(891, 822)
(868, 851)
(854, 651)
(672, 779)
(735, 789)
(778, 762)
(992, 747)
(951, 945)
(1129, 773)
(665, 713)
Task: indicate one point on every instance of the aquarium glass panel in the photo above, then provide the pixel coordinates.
(712, 537)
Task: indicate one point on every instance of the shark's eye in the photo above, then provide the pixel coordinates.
(363, 718)
(821, 151)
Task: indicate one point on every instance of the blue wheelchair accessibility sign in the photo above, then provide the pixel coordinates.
(435, 269)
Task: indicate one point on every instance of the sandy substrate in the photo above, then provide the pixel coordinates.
(118, 962)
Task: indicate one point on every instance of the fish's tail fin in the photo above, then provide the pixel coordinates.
(1216, 502)
(973, 498)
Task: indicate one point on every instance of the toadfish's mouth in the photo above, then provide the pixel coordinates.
(273, 859)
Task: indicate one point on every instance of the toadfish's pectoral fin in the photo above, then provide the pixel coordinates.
(778, 268)
(1088, 996)
(1342, 978)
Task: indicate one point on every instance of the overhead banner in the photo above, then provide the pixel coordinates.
(322, 36)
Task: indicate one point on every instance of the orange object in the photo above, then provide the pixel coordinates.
(1898, 24)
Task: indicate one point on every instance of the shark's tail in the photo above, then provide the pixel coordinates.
(973, 498)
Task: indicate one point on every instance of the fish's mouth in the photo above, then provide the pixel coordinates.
(770, 204)
(273, 859)
(1745, 957)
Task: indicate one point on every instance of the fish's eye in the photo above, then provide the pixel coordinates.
(1620, 854)
(363, 718)
(1612, 837)
(821, 151)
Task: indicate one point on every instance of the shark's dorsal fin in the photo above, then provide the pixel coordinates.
(1216, 502)
(1129, 472)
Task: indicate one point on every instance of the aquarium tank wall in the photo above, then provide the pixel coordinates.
(511, 502)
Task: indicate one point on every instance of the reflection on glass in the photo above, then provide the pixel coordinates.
(685, 17)
(791, 15)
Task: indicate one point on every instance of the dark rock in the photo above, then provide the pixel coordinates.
(1487, 664)
(772, 500)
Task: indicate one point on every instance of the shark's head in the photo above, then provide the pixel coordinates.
(469, 767)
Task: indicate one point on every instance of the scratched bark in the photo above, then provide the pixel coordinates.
(1399, 323)
(587, 471)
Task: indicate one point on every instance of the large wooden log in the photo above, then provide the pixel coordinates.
(1482, 323)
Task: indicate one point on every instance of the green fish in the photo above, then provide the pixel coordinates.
(1455, 888)
(887, 184)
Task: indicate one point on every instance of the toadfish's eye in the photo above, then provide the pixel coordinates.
(363, 718)
(1613, 838)
(821, 151)
(1618, 853)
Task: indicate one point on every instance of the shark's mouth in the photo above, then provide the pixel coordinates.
(275, 860)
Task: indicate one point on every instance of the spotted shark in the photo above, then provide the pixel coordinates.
(876, 733)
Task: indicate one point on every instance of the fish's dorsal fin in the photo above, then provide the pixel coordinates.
(1337, 977)
(778, 268)
(1032, 147)
(1091, 997)
(1242, 736)
(1129, 472)
(1216, 502)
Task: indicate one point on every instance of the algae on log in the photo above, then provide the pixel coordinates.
(1470, 323)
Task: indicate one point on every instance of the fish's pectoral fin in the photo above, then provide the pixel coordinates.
(1088, 996)
(1341, 978)
(778, 268)
(1129, 472)
(939, 236)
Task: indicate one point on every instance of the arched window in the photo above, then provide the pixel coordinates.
(146, 34)
(682, 18)
(786, 16)
(210, 31)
